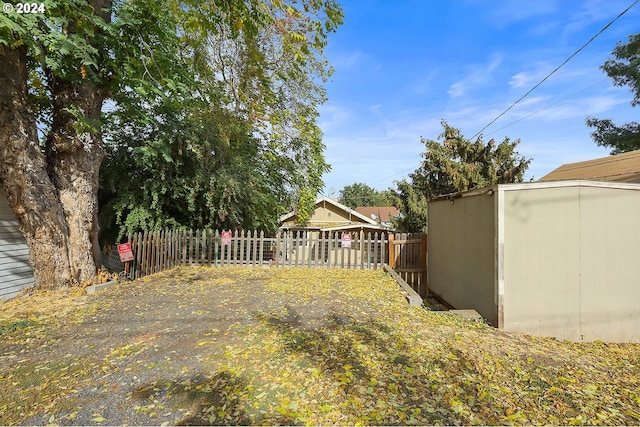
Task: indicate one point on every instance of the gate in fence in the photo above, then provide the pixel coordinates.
(162, 250)
(408, 258)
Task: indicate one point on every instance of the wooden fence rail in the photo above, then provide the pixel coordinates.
(157, 251)
(162, 250)
(408, 258)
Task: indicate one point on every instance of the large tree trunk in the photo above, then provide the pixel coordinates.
(74, 156)
(53, 191)
(23, 172)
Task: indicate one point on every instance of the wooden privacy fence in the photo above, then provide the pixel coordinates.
(162, 250)
(408, 258)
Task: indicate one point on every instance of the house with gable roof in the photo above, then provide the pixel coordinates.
(329, 222)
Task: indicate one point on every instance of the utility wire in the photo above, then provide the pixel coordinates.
(557, 68)
(547, 106)
(532, 89)
(412, 169)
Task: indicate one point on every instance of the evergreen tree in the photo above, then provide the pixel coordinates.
(454, 165)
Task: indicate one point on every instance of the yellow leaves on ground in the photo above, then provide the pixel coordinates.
(294, 346)
(102, 276)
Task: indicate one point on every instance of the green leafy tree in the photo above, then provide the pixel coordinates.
(242, 148)
(624, 70)
(360, 194)
(272, 74)
(58, 68)
(454, 165)
(198, 171)
(411, 200)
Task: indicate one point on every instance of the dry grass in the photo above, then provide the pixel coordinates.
(291, 346)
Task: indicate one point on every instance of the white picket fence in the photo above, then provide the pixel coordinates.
(163, 250)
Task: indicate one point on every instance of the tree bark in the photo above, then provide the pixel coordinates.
(53, 189)
(74, 156)
(23, 172)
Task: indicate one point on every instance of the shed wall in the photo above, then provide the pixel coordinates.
(16, 273)
(571, 263)
(541, 261)
(461, 256)
(609, 263)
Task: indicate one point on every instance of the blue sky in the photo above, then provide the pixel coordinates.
(401, 66)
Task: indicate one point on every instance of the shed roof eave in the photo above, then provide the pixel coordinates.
(539, 185)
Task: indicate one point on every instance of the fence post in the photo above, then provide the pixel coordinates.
(392, 251)
(361, 248)
(424, 264)
(383, 255)
(215, 241)
(240, 247)
(136, 255)
(256, 245)
(156, 241)
(128, 270)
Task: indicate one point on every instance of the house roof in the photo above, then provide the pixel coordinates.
(382, 213)
(623, 167)
(338, 205)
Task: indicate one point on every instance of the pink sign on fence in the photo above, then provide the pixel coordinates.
(226, 237)
(124, 250)
(346, 240)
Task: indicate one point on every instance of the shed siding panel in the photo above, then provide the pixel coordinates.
(541, 262)
(16, 273)
(610, 267)
(461, 253)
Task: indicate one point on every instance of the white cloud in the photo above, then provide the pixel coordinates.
(332, 116)
(425, 83)
(375, 109)
(456, 89)
(495, 62)
(516, 11)
(520, 80)
(477, 76)
(348, 60)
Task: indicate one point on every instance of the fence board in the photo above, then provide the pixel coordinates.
(408, 257)
(164, 249)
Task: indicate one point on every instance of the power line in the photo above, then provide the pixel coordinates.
(531, 90)
(547, 106)
(557, 68)
(412, 169)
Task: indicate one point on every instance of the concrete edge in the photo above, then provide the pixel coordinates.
(94, 288)
(468, 314)
(412, 296)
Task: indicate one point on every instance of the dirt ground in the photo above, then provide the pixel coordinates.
(141, 352)
(291, 346)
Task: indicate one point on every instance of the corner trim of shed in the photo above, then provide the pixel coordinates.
(500, 255)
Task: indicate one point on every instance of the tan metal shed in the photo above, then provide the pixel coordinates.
(555, 258)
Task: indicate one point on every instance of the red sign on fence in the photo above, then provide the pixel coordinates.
(124, 250)
(346, 240)
(226, 237)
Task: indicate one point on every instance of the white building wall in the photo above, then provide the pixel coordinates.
(16, 273)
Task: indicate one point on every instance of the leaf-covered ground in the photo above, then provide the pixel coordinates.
(291, 346)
